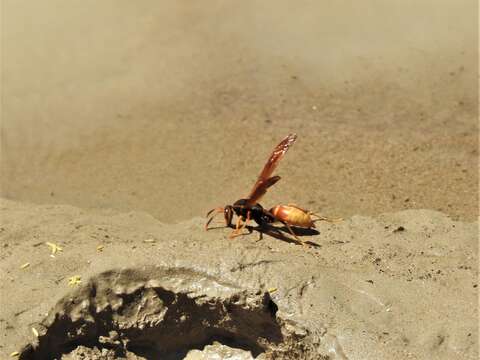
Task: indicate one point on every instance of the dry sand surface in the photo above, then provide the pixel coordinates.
(126, 121)
(171, 108)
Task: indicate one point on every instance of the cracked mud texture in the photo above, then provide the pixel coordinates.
(400, 285)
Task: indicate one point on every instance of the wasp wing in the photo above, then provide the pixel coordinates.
(261, 189)
(265, 180)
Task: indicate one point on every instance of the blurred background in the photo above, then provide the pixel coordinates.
(172, 107)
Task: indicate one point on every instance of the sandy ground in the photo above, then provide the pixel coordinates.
(401, 285)
(126, 121)
(172, 108)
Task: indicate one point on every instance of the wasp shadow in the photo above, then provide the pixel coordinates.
(301, 231)
(280, 233)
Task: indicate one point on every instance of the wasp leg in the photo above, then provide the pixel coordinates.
(237, 226)
(246, 221)
(319, 217)
(330, 220)
(239, 229)
(291, 231)
(213, 213)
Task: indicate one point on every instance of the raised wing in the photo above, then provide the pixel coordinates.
(260, 189)
(265, 180)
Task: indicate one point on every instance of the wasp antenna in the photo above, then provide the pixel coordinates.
(213, 213)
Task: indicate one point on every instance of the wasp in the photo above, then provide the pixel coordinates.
(248, 208)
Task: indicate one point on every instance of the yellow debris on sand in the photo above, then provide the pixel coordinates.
(54, 248)
(74, 280)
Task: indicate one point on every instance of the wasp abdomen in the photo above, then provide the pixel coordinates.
(293, 215)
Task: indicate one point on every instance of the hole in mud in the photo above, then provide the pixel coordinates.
(150, 351)
(272, 307)
(129, 315)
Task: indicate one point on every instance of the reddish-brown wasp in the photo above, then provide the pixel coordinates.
(249, 209)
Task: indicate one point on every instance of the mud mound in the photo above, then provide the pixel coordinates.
(165, 316)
